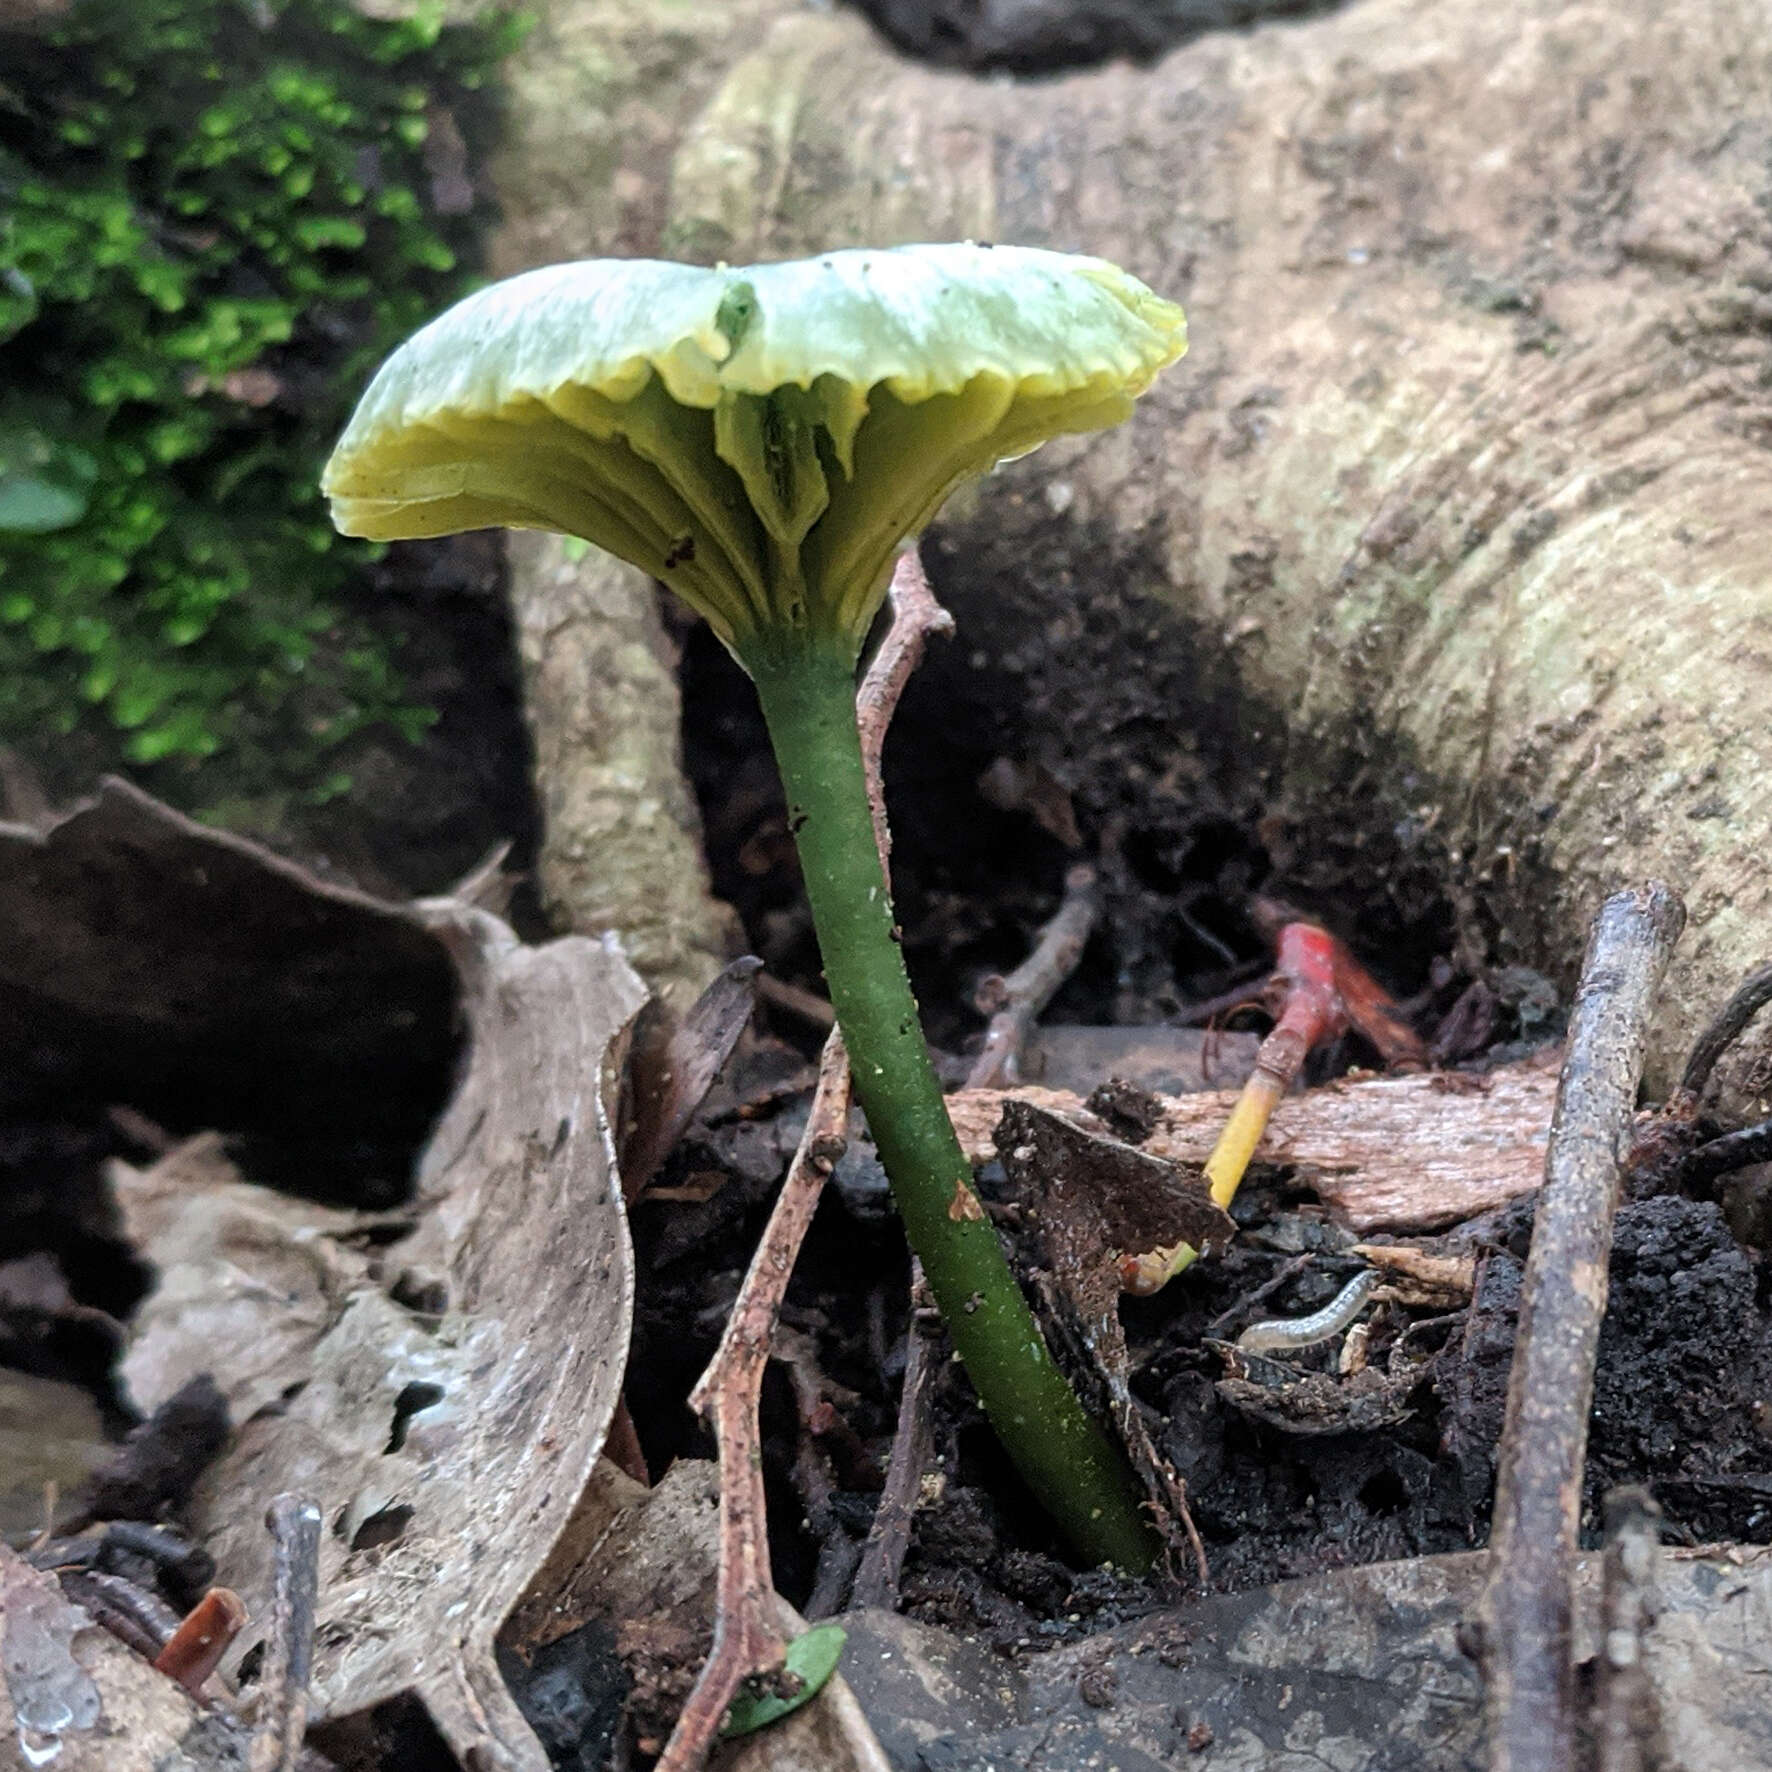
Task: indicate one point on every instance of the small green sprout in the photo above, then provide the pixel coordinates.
(762, 440)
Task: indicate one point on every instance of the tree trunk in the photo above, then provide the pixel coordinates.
(1459, 506)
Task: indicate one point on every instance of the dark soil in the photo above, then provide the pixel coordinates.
(1024, 745)
(1023, 742)
(1026, 739)
(1685, 1361)
(1048, 36)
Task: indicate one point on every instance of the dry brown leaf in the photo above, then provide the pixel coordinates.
(205, 982)
(192, 973)
(249, 1280)
(1386, 1153)
(446, 1451)
(1092, 1201)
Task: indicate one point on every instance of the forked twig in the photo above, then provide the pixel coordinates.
(1014, 1002)
(747, 1638)
(1522, 1638)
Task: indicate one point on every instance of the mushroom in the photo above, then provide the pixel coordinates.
(762, 440)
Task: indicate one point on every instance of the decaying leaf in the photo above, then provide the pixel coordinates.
(1403, 1154)
(249, 1280)
(668, 1076)
(1313, 1403)
(196, 977)
(1091, 1201)
(446, 1450)
(443, 1395)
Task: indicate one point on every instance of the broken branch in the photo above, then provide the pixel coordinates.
(747, 1640)
(293, 1522)
(1523, 1621)
(915, 616)
(913, 1444)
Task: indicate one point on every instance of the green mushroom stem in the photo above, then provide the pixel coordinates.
(807, 689)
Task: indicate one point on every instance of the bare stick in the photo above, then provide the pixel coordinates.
(913, 1445)
(294, 1524)
(1523, 1618)
(747, 1639)
(1014, 1003)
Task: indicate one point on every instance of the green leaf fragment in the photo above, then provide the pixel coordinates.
(811, 1659)
(30, 506)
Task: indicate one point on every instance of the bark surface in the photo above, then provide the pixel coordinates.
(1464, 486)
(622, 842)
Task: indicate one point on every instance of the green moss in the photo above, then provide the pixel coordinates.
(215, 217)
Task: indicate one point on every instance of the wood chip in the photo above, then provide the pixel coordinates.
(1404, 1154)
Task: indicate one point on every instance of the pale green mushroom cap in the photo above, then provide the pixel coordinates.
(759, 438)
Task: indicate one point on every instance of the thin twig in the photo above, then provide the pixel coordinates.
(133, 1615)
(1014, 1002)
(1726, 1027)
(796, 1000)
(1522, 1640)
(913, 1446)
(1294, 1266)
(747, 1639)
(293, 1522)
(915, 616)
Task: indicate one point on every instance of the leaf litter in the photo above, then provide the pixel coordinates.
(438, 1380)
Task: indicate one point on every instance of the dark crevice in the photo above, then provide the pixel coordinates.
(1053, 36)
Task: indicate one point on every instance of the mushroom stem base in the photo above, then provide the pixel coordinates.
(807, 688)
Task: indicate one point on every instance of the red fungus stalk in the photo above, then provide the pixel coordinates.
(1318, 990)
